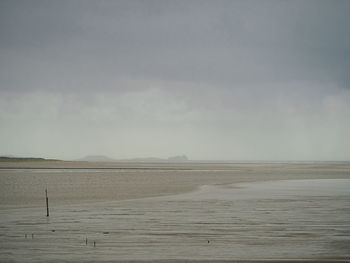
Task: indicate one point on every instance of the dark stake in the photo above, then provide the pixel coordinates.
(32, 236)
(25, 235)
(208, 241)
(94, 244)
(47, 203)
(86, 241)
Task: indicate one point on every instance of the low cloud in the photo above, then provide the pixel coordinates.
(226, 80)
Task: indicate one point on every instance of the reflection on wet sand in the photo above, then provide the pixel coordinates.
(271, 220)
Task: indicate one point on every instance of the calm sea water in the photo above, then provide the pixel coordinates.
(295, 219)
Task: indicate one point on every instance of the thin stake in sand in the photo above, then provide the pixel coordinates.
(47, 203)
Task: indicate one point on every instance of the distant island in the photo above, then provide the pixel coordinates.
(102, 158)
(96, 158)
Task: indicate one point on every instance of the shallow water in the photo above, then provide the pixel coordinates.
(294, 219)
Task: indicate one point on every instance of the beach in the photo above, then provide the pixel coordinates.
(169, 212)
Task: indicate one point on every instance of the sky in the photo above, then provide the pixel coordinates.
(214, 80)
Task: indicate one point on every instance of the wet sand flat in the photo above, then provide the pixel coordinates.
(177, 213)
(23, 183)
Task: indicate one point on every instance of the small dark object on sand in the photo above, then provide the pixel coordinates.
(47, 204)
(32, 236)
(53, 230)
(208, 241)
(25, 235)
(106, 233)
(86, 241)
(94, 244)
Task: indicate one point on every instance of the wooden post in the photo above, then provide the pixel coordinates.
(47, 203)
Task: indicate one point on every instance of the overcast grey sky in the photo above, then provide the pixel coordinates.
(232, 80)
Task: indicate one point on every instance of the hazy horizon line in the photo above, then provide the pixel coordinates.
(184, 161)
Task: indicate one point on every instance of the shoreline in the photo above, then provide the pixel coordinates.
(219, 261)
